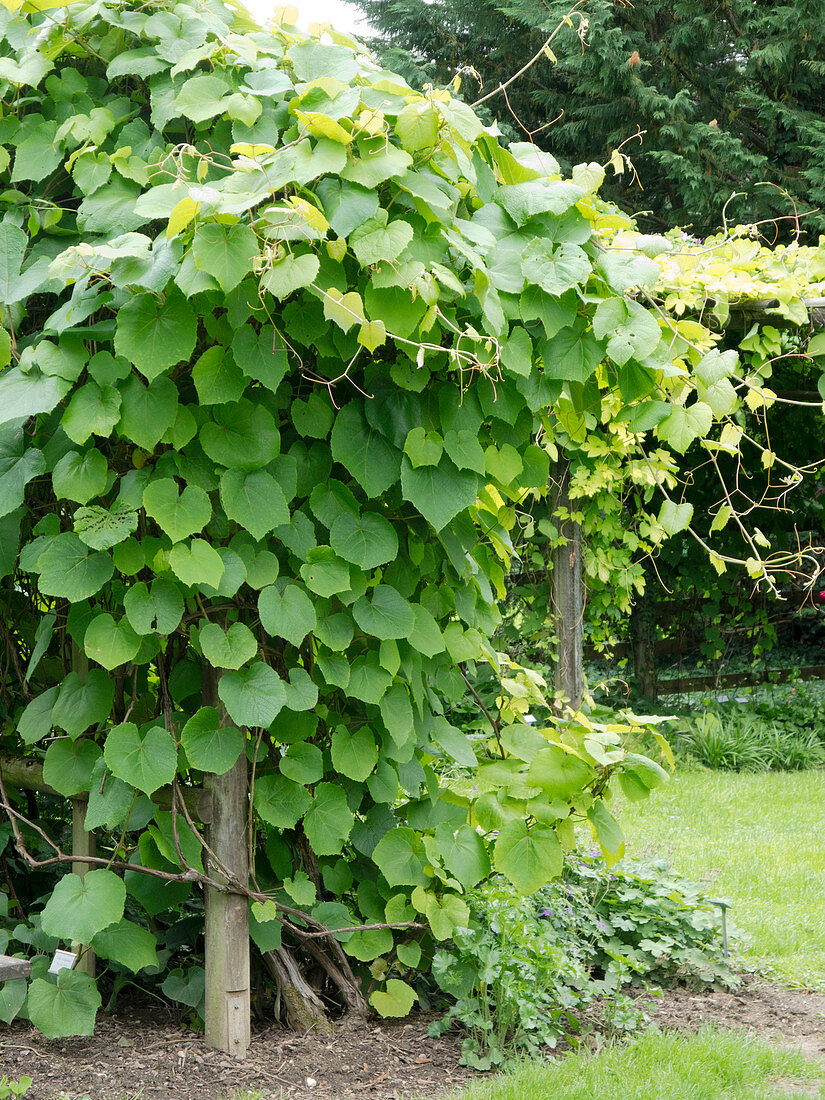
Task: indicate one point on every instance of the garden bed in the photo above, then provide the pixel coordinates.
(143, 1050)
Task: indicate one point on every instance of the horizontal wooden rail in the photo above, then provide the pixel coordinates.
(27, 775)
(684, 684)
(11, 969)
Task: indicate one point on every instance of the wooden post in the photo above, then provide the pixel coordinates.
(567, 595)
(83, 844)
(227, 915)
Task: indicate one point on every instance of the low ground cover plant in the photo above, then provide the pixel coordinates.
(525, 971)
(776, 733)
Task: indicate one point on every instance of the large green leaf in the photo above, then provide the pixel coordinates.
(83, 703)
(572, 355)
(377, 239)
(147, 412)
(607, 830)
(202, 97)
(396, 999)
(110, 799)
(68, 764)
(279, 801)
(354, 754)
(367, 455)
(157, 609)
(240, 436)
(685, 425)
(464, 854)
(110, 643)
(555, 270)
(197, 563)
(16, 471)
(367, 540)
(325, 573)
(289, 614)
(93, 410)
(523, 201)
(528, 857)
(103, 528)
(69, 568)
(178, 515)
(80, 476)
(290, 273)
(400, 857)
(128, 944)
(261, 355)
(560, 774)
(81, 907)
(154, 333)
(145, 760)
(227, 649)
(225, 251)
(329, 820)
(254, 500)
(438, 492)
(24, 395)
(346, 205)
(384, 613)
(252, 696)
(210, 746)
(303, 763)
(35, 722)
(67, 1008)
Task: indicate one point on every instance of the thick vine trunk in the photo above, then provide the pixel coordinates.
(303, 1008)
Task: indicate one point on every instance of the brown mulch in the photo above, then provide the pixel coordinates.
(143, 1048)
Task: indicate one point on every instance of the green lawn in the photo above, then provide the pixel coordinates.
(706, 1066)
(756, 840)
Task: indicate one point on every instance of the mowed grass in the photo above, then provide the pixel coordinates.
(709, 1065)
(756, 841)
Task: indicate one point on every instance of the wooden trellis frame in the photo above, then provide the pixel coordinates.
(568, 588)
(223, 808)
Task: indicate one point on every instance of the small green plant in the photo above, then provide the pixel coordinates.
(771, 736)
(14, 1088)
(524, 970)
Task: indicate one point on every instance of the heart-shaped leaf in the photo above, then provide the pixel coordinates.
(146, 761)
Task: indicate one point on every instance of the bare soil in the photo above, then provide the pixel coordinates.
(143, 1048)
(790, 1017)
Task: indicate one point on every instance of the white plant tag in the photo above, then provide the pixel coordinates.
(63, 960)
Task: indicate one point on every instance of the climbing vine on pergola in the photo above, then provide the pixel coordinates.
(287, 345)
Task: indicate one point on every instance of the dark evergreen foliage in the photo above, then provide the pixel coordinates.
(729, 93)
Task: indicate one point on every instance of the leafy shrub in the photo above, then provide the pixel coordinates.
(769, 736)
(526, 968)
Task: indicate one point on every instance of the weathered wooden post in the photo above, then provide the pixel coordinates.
(227, 914)
(567, 595)
(83, 844)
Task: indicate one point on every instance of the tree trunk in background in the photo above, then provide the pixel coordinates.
(643, 640)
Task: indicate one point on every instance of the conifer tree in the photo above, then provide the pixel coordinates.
(728, 94)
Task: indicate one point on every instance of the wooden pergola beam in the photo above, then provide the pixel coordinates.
(26, 774)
